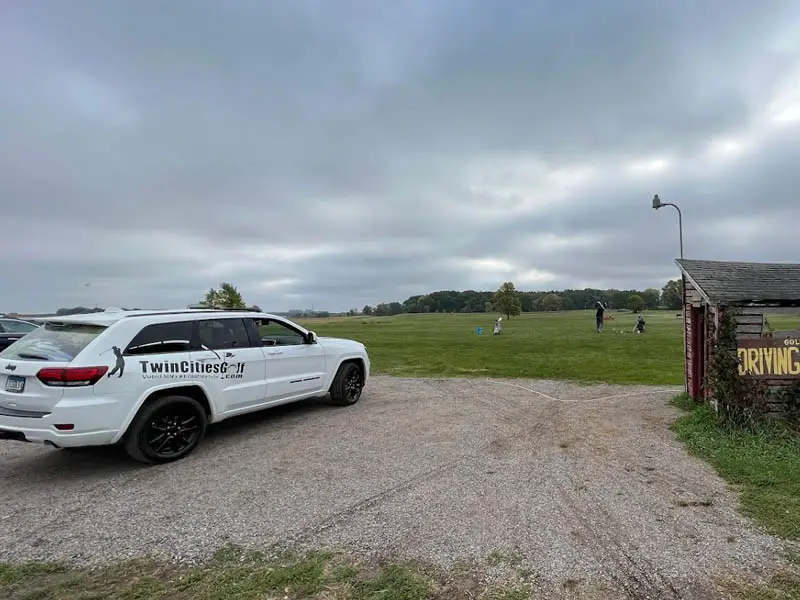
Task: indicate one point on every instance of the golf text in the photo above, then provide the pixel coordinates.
(222, 370)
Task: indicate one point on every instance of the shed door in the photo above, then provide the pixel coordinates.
(698, 341)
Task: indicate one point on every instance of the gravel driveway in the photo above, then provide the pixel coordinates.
(574, 487)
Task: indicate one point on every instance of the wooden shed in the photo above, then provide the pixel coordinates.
(755, 290)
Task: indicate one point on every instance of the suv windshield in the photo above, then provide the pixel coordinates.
(59, 342)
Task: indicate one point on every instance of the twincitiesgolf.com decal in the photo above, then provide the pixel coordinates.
(189, 369)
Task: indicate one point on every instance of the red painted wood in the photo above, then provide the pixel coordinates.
(696, 342)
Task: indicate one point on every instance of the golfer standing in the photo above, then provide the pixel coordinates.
(598, 316)
(498, 326)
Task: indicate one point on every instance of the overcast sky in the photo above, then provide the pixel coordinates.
(348, 152)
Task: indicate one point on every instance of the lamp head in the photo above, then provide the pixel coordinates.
(657, 202)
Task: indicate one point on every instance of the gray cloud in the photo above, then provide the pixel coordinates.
(349, 152)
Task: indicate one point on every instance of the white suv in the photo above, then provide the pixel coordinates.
(152, 380)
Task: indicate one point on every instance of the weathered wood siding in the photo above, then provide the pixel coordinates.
(696, 339)
(690, 366)
(689, 369)
(708, 346)
(691, 295)
(749, 324)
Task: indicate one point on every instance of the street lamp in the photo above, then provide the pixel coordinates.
(657, 203)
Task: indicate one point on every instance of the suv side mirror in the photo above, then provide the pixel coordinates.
(311, 338)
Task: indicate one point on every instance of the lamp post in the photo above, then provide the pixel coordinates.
(657, 203)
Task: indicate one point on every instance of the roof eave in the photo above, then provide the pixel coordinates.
(758, 301)
(696, 286)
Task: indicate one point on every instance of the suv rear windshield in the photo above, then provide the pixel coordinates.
(60, 342)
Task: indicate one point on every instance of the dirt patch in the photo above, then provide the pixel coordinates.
(584, 485)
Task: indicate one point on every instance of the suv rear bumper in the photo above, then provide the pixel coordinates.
(61, 439)
(95, 421)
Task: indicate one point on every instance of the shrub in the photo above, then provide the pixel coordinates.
(790, 398)
(741, 401)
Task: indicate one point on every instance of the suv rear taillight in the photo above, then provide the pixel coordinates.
(71, 376)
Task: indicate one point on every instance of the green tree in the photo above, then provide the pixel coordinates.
(635, 303)
(506, 300)
(527, 299)
(425, 304)
(226, 296)
(652, 298)
(367, 310)
(395, 308)
(551, 302)
(616, 298)
(671, 295)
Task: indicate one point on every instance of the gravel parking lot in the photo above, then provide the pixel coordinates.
(572, 486)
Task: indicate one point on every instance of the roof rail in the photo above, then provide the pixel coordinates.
(223, 308)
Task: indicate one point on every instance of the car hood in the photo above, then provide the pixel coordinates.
(339, 342)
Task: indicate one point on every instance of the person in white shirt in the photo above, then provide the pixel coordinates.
(498, 326)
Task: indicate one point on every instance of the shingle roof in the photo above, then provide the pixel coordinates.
(744, 281)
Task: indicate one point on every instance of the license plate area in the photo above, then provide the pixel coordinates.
(15, 384)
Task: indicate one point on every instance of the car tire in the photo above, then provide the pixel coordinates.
(347, 384)
(165, 422)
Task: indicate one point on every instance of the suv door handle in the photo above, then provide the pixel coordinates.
(273, 352)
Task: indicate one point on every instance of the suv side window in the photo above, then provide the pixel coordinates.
(275, 333)
(223, 334)
(162, 338)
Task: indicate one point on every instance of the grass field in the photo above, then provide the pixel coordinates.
(764, 464)
(561, 345)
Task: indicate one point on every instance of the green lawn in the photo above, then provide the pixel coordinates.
(764, 463)
(765, 466)
(244, 575)
(561, 345)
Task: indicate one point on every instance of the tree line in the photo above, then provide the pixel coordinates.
(509, 301)
(506, 300)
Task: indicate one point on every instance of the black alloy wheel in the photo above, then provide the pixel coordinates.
(166, 429)
(353, 384)
(348, 384)
(171, 431)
